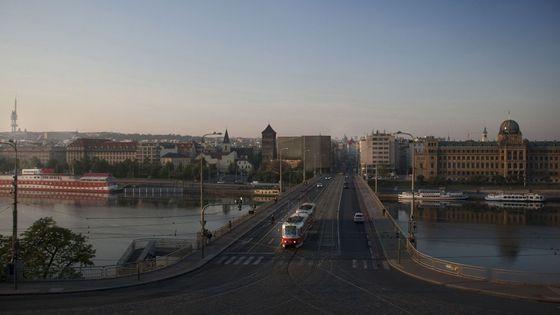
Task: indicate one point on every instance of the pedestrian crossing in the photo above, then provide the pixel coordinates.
(258, 258)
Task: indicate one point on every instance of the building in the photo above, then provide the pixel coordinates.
(268, 144)
(29, 153)
(148, 153)
(315, 152)
(378, 150)
(510, 158)
(111, 151)
(177, 159)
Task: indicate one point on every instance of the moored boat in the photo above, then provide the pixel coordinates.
(515, 197)
(45, 180)
(431, 194)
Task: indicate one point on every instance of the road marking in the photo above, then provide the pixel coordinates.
(248, 240)
(256, 262)
(248, 260)
(230, 260)
(239, 260)
(354, 263)
(365, 264)
(221, 260)
(385, 265)
(271, 241)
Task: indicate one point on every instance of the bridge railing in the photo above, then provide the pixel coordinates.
(458, 269)
(179, 250)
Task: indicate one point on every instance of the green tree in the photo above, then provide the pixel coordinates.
(49, 251)
(5, 254)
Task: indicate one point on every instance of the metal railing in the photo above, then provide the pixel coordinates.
(181, 249)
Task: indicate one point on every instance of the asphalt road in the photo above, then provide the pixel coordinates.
(336, 271)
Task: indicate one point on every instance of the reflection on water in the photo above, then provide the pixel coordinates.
(480, 233)
(111, 222)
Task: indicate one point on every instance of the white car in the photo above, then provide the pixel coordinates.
(358, 217)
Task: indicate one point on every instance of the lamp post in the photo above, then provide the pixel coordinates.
(15, 242)
(280, 156)
(202, 222)
(411, 223)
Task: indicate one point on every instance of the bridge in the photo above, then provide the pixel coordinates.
(342, 268)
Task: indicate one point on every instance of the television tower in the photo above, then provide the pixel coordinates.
(14, 117)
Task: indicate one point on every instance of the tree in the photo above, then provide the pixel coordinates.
(49, 251)
(5, 254)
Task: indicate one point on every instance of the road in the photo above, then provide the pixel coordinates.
(336, 271)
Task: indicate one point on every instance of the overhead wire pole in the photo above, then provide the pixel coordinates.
(280, 158)
(15, 242)
(202, 222)
(411, 223)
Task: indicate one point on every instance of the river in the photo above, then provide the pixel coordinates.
(489, 235)
(112, 222)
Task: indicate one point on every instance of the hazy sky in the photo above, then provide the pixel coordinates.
(443, 68)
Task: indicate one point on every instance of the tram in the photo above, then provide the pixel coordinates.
(294, 229)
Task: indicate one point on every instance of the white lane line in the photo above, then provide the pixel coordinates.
(354, 263)
(365, 264)
(239, 260)
(229, 260)
(271, 241)
(248, 260)
(221, 260)
(256, 262)
(385, 265)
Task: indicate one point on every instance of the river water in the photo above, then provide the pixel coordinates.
(112, 222)
(473, 233)
(489, 235)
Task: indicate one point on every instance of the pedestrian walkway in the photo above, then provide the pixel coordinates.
(383, 233)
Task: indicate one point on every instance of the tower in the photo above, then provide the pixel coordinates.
(226, 146)
(484, 135)
(268, 144)
(14, 117)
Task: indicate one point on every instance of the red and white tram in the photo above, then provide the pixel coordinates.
(294, 229)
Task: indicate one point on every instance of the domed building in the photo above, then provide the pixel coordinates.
(510, 158)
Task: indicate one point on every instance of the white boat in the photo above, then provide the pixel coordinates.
(432, 194)
(515, 197)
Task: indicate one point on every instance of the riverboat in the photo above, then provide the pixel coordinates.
(432, 194)
(47, 181)
(515, 197)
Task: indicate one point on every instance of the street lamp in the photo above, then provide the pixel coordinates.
(280, 156)
(15, 243)
(202, 222)
(411, 223)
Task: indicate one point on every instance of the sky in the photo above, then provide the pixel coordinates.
(441, 68)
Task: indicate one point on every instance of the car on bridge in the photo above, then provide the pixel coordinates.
(358, 217)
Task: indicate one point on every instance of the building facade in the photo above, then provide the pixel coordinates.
(111, 151)
(30, 152)
(378, 150)
(510, 158)
(315, 152)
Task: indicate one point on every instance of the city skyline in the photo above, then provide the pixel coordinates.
(432, 69)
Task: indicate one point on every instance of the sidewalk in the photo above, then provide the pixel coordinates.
(383, 230)
(191, 263)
